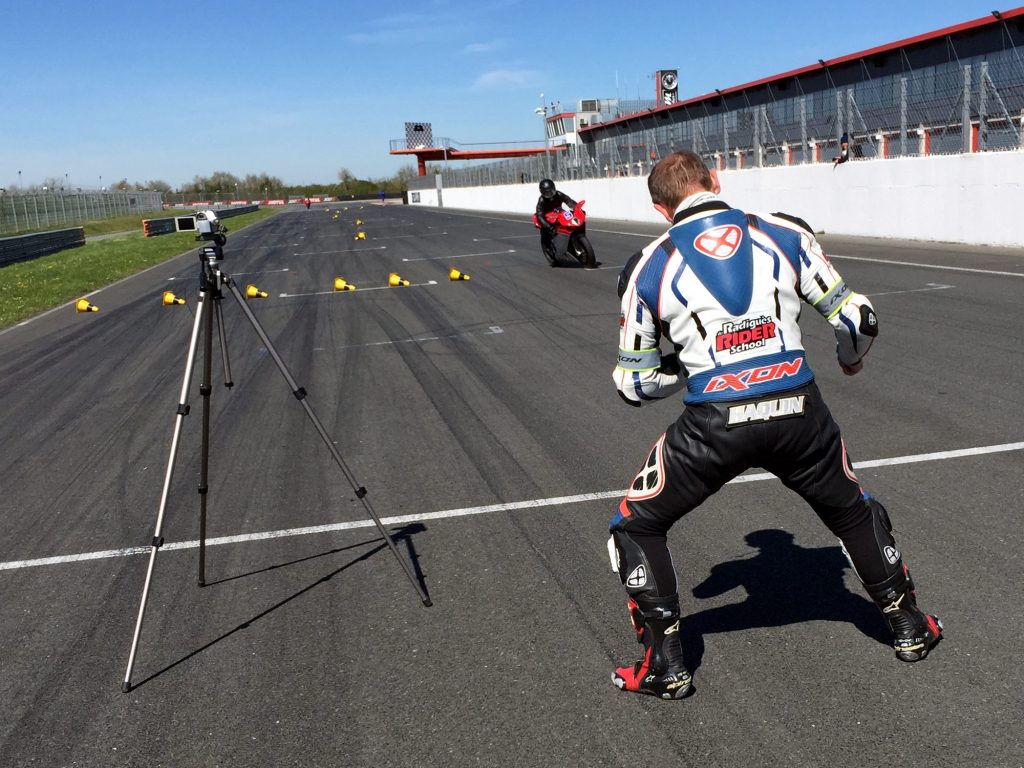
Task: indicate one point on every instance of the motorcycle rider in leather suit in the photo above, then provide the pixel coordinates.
(552, 243)
(725, 288)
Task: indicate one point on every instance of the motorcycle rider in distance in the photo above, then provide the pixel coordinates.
(552, 243)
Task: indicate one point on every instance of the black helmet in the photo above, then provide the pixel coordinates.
(547, 188)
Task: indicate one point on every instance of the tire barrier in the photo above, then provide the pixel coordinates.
(25, 247)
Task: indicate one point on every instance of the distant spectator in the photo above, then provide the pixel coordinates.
(844, 151)
(382, 197)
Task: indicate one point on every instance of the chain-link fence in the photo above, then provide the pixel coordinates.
(972, 104)
(34, 212)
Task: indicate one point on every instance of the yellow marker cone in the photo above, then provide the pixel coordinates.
(83, 305)
(358, 222)
(361, 236)
(252, 292)
(341, 285)
(456, 275)
(394, 280)
(170, 298)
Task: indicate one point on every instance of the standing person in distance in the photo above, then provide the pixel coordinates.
(725, 288)
(844, 151)
(552, 243)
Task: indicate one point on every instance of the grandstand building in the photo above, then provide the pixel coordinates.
(954, 90)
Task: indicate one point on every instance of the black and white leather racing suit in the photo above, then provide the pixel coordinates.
(725, 288)
(550, 240)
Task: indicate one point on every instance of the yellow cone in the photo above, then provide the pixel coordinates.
(394, 280)
(170, 298)
(83, 305)
(361, 236)
(252, 292)
(454, 274)
(359, 222)
(341, 285)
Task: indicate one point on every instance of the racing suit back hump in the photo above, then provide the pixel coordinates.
(726, 288)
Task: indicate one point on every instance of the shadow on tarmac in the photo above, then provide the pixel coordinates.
(400, 536)
(785, 584)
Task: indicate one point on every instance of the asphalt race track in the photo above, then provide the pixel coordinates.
(482, 419)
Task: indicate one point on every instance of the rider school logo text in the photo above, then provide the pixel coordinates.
(744, 335)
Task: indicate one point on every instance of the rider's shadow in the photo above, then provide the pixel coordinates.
(785, 584)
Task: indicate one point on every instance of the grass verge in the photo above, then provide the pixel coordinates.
(30, 287)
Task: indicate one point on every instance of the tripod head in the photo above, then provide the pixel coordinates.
(210, 229)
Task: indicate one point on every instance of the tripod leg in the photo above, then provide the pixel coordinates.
(228, 382)
(300, 395)
(205, 389)
(158, 540)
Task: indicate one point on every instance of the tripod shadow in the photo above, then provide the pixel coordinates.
(400, 536)
(785, 584)
(274, 567)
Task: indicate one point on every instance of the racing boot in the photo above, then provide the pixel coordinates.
(915, 633)
(660, 672)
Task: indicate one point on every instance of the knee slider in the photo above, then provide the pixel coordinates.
(634, 569)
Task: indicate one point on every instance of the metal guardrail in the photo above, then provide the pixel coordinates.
(25, 247)
(227, 213)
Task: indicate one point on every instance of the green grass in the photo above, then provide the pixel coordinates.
(30, 287)
(132, 222)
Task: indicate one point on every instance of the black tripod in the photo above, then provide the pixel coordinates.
(211, 283)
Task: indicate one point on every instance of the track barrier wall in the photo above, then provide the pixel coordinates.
(973, 199)
(165, 226)
(25, 247)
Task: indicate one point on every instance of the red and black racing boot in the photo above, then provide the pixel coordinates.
(660, 672)
(915, 633)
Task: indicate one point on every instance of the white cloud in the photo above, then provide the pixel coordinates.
(507, 78)
(488, 47)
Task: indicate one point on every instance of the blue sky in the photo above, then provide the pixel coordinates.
(167, 91)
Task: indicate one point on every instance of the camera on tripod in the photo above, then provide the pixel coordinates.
(209, 228)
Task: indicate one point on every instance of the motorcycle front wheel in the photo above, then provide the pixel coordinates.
(583, 251)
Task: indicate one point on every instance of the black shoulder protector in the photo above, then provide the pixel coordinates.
(627, 272)
(796, 220)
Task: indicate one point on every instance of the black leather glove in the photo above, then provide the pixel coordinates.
(670, 363)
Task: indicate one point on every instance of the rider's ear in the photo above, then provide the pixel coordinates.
(716, 185)
(664, 212)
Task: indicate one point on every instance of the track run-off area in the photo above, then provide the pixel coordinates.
(481, 417)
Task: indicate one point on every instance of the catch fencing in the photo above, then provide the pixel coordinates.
(28, 212)
(972, 104)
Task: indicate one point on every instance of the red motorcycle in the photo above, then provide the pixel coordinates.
(574, 224)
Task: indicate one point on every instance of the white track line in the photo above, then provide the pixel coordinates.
(931, 287)
(357, 290)
(831, 256)
(400, 237)
(462, 255)
(492, 331)
(927, 266)
(467, 511)
(354, 250)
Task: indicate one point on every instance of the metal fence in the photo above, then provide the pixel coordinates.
(974, 104)
(23, 213)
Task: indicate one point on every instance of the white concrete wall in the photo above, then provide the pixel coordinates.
(424, 197)
(972, 199)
